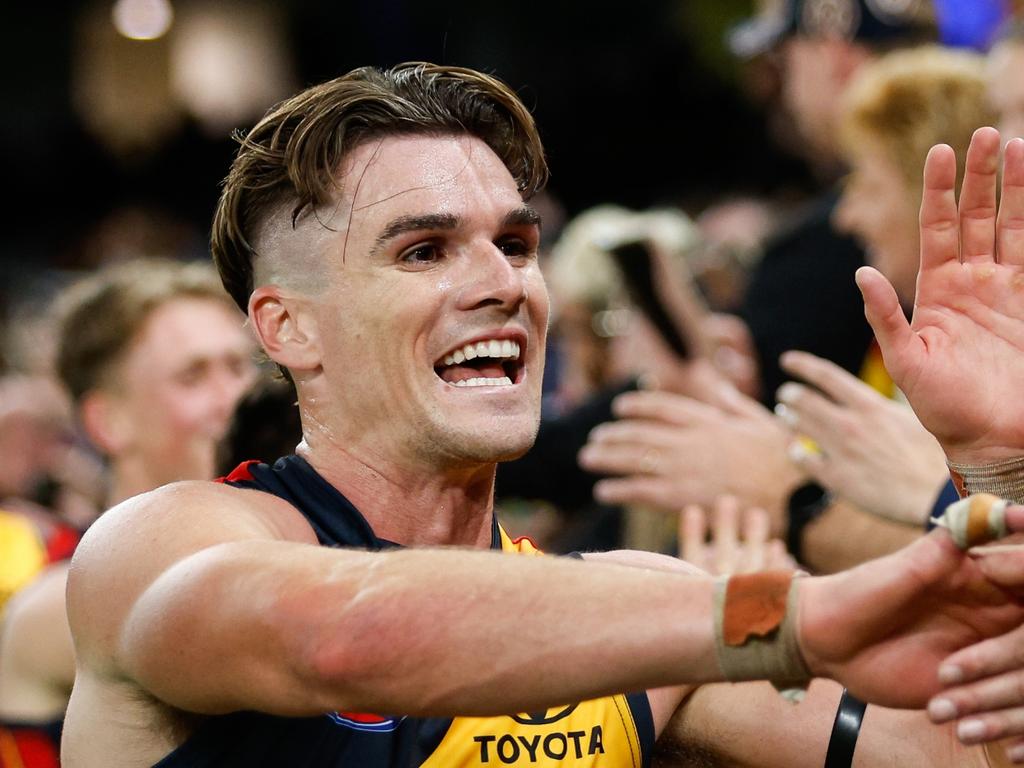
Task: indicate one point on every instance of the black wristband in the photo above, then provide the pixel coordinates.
(806, 503)
(845, 731)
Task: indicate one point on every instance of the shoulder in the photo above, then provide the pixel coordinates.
(131, 545)
(35, 612)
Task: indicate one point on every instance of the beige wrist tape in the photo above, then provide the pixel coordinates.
(978, 519)
(1004, 478)
(755, 629)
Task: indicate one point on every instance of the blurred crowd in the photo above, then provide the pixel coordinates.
(712, 389)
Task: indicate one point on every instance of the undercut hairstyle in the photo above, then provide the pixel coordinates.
(293, 155)
(99, 317)
(906, 102)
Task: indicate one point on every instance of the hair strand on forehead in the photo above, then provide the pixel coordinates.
(292, 157)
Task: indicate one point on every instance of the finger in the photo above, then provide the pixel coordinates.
(1003, 563)
(755, 525)
(662, 406)
(884, 314)
(650, 491)
(725, 534)
(1010, 222)
(978, 198)
(840, 385)
(693, 534)
(940, 232)
(1015, 518)
(647, 434)
(812, 414)
(617, 458)
(1015, 750)
(811, 460)
(986, 659)
(991, 726)
(988, 695)
(777, 557)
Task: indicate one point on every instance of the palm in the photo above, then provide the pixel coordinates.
(961, 360)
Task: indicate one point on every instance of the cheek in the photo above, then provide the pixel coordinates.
(180, 411)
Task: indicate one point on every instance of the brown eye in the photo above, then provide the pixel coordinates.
(427, 253)
(514, 247)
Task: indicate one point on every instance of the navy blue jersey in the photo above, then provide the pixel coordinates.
(614, 731)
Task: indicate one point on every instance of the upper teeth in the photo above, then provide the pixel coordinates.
(492, 348)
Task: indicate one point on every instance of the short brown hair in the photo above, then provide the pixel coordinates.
(908, 101)
(293, 154)
(99, 316)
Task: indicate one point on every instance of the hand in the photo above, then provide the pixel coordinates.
(728, 552)
(898, 617)
(668, 451)
(874, 451)
(986, 681)
(961, 360)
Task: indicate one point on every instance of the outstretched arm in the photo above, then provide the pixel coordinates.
(448, 631)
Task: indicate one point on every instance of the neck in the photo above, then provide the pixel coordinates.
(412, 508)
(132, 476)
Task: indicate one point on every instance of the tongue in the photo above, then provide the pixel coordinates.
(490, 369)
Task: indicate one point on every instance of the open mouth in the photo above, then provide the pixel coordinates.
(484, 363)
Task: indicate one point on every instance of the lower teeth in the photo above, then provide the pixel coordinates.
(504, 381)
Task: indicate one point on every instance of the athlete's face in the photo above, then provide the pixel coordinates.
(178, 385)
(434, 320)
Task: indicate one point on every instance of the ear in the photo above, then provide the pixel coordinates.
(286, 328)
(105, 422)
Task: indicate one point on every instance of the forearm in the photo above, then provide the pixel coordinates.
(750, 726)
(415, 632)
(844, 536)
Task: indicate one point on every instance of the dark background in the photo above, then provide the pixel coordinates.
(638, 103)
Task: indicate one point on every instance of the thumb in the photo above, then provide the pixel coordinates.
(885, 315)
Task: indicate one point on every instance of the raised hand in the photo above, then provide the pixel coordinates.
(739, 540)
(960, 361)
(874, 451)
(668, 451)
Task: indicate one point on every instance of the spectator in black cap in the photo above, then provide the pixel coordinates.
(802, 295)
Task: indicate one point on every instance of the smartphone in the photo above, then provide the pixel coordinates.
(636, 262)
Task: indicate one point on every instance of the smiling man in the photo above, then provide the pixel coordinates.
(377, 230)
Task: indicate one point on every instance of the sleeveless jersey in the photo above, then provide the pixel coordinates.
(614, 731)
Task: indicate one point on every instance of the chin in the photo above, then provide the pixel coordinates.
(490, 447)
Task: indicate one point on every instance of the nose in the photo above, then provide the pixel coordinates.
(844, 216)
(493, 279)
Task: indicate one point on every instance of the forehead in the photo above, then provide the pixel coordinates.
(188, 326)
(409, 175)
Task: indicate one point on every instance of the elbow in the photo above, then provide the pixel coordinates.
(344, 653)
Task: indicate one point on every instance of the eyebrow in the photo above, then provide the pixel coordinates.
(523, 215)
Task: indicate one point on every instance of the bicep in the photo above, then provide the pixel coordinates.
(232, 626)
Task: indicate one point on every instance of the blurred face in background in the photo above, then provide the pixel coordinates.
(176, 388)
(879, 209)
(1005, 75)
(815, 74)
